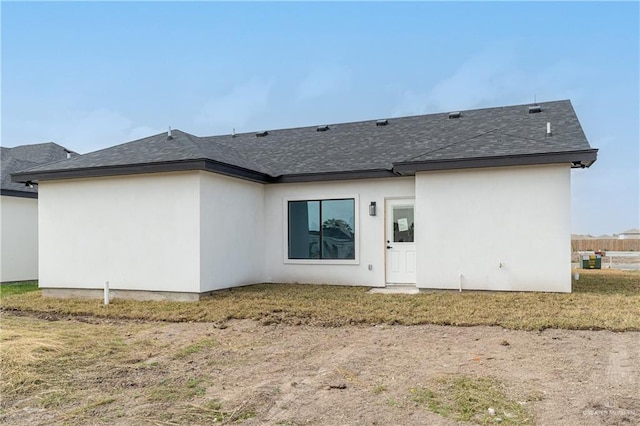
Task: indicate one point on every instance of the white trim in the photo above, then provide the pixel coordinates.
(388, 201)
(319, 197)
(384, 225)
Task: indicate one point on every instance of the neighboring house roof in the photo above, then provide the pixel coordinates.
(25, 157)
(632, 231)
(581, 237)
(477, 138)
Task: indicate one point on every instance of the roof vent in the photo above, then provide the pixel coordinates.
(169, 136)
(455, 114)
(535, 109)
(322, 128)
(262, 134)
(382, 123)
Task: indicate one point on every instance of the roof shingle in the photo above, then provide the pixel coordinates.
(356, 147)
(25, 157)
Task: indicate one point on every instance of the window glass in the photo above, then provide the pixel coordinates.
(338, 226)
(304, 230)
(322, 229)
(403, 224)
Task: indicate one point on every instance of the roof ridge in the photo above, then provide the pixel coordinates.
(243, 155)
(189, 137)
(391, 117)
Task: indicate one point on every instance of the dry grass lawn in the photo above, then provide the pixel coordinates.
(77, 362)
(71, 372)
(601, 300)
(469, 399)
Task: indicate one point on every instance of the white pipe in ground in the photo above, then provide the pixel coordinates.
(106, 292)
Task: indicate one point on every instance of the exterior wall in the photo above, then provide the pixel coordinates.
(370, 244)
(232, 232)
(193, 232)
(501, 228)
(139, 232)
(19, 239)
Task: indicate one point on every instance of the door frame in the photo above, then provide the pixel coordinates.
(411, 199)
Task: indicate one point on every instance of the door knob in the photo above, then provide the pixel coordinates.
(389, 247)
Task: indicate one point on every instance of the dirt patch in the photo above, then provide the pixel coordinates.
(197, 373)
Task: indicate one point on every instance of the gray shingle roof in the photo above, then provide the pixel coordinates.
(180, 146)
(364, 146)
(25, 157)
(347, 148)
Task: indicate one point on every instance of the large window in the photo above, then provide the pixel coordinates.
(322, 229)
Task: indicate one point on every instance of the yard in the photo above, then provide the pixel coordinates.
(293, 354)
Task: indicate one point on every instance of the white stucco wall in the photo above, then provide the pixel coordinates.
(369, 231)
(472, 221)
(139, 232)
(502, 228)
(232, 232)
(18, 239)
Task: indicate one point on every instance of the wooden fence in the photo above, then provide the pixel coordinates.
(605, 245)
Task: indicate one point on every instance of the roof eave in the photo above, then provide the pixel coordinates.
(580, 158)
(134, 169)
(332, 176)
(16, 193)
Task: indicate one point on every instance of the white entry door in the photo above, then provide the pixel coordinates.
(401, 248)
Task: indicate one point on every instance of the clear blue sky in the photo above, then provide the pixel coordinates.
(92, 75)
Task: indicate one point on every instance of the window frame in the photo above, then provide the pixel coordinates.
(321, 197)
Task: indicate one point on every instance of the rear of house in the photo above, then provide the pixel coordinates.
(472, 200)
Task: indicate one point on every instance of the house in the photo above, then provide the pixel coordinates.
(476, 199)
(630, 234)
(19, 207)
